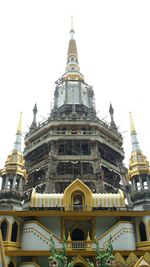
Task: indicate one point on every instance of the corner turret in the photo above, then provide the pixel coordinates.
(13, 174)
(139, 173)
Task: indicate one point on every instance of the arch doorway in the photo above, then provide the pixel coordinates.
(79, 265)
(77, 235)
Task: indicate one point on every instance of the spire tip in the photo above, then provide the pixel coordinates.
(72, 28)
(19, 127)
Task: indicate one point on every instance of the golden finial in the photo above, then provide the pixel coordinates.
(133, 131)
(19, 127)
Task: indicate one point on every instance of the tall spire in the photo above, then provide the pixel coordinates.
(72, 48)
(138, 162)
(72, 68)
(134, 140)
(72, 28)
(17, 144)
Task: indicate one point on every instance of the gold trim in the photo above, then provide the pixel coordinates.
(139, 261)
(132, 259)
(60, 213)
(9, 245)
(145, 245)
(68, 253)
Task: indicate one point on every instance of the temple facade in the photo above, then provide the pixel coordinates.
(70, 182)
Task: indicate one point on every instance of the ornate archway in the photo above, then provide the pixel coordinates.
(79, 192)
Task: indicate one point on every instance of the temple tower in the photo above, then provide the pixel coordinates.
(73, 142)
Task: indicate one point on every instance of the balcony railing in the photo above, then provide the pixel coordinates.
(77, 208)
(79, 244)
(87, 244)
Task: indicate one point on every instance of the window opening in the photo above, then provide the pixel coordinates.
(14, 232)
(142, 231)
(4, 227)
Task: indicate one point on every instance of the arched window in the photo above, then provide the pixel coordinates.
(11, 264)
(14, 232)
(142, 230)
(4, 227)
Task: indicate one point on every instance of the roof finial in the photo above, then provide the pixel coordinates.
(72, 28)
(112, 123)
(17, 144)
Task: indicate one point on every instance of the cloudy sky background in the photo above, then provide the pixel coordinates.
(113, 41)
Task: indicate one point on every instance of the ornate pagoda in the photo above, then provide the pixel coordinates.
(70, 182)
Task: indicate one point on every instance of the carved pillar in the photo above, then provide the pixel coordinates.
(134, 185)
(14, 182)
(148, 181)
(141, 182)
(6, 182)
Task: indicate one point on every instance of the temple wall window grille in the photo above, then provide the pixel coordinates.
(74, 168)
(74, 147)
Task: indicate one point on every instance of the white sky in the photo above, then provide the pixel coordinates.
(113, 41)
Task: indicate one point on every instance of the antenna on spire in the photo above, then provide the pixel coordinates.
(72, 28)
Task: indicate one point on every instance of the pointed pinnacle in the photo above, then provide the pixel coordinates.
(35, 109)
(111, 110)
(19, 127)
(133, 131)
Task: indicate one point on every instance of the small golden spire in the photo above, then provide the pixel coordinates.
(133, 131)
(138, 162)
(19, 127)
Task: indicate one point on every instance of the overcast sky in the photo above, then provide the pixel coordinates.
(113, 41)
